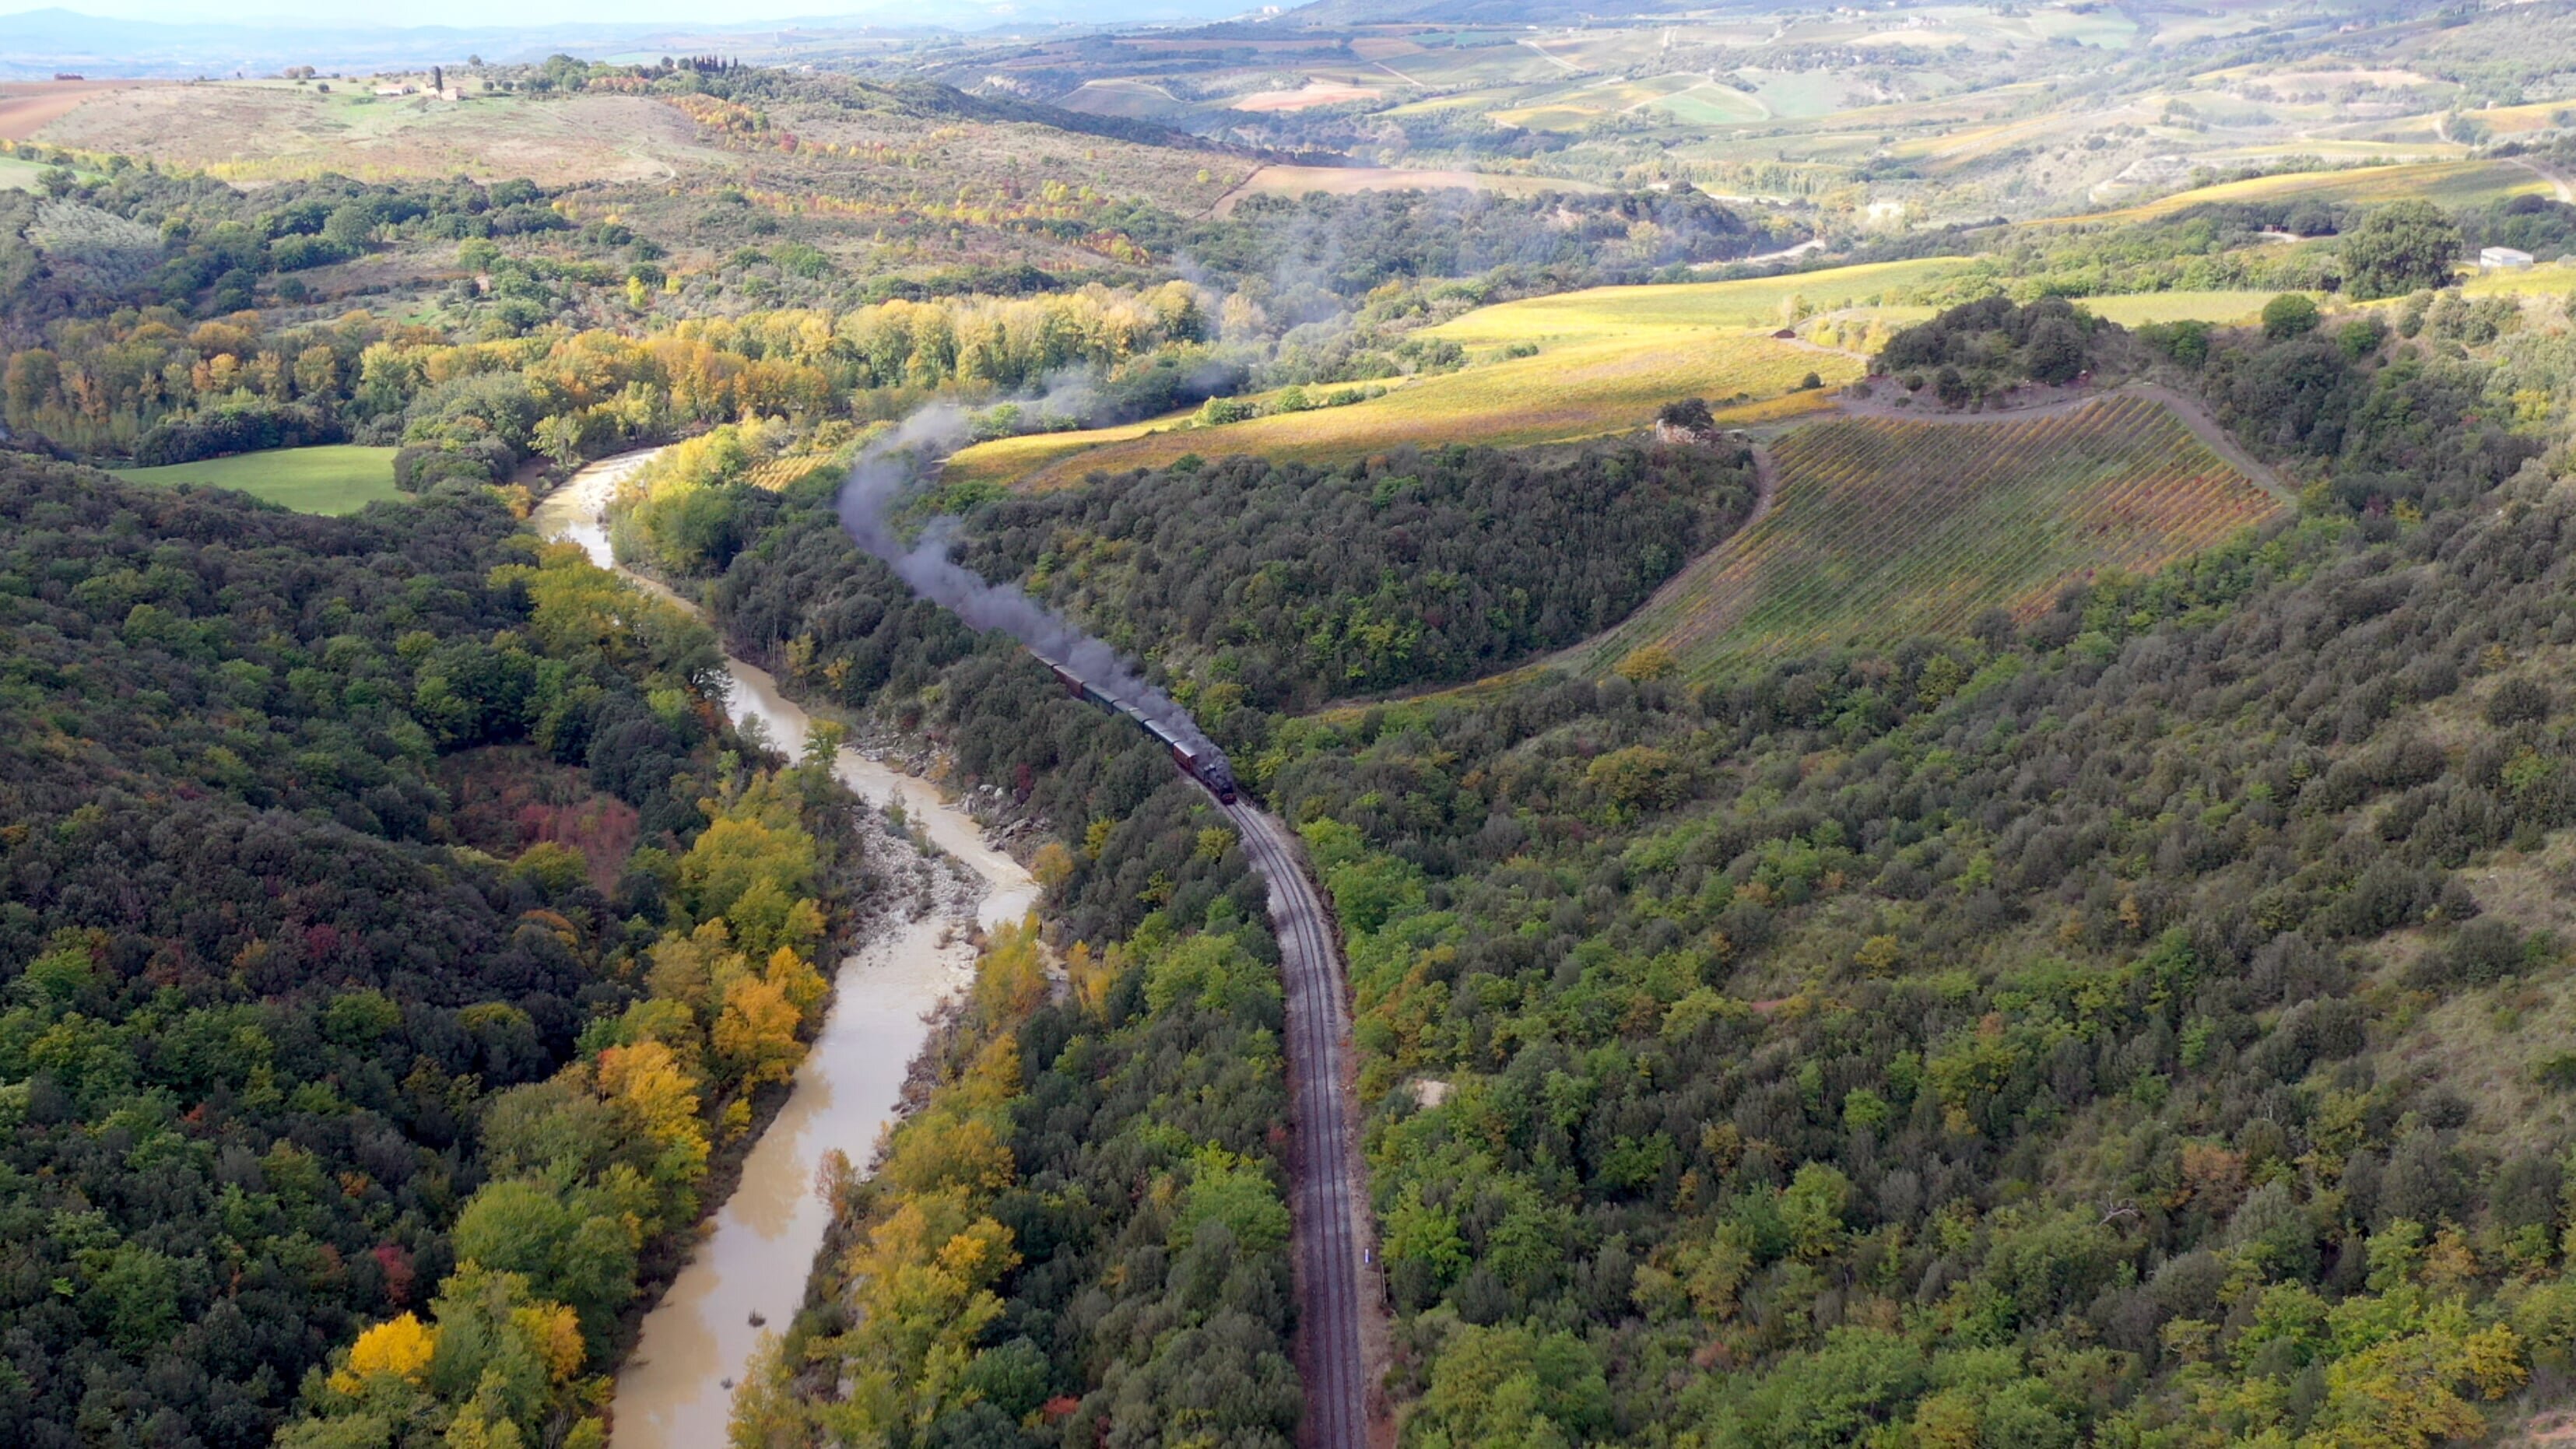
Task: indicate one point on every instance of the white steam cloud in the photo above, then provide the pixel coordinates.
(866, 506)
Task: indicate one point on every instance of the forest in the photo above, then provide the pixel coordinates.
(1285, 585)
(318, 1056)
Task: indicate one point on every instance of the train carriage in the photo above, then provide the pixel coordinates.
(1197, 759)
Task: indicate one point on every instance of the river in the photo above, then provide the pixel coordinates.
(673, 1391)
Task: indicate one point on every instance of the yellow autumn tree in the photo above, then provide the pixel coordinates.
(2393, 1395)
(755, 1036)
(686, 968)
(401, 1347)
(797, 978)
(754, 838)
(2493, 1358)
(647, 1083)
(1092, 975)
(1010, 978)
(941, 1150)
(1053, 866)
(768, 1413)
(765, 918)
(923, 1277)
(554, 1331)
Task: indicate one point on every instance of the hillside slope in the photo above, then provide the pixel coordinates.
(1882, 529)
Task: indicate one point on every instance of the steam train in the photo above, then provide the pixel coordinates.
(1202, 762)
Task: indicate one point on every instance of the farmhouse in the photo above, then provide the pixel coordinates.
(2503, 259)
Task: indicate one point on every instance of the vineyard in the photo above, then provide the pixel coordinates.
(1881, 530)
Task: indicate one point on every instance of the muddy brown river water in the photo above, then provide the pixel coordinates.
(673, 1391)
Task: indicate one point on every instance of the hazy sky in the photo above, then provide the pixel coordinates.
(544, 12)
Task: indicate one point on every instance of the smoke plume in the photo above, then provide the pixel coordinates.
(866, 505)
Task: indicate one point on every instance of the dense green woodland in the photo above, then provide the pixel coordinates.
(262, 994)
(1299, 584)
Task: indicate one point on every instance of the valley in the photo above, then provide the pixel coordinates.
(1437, 725)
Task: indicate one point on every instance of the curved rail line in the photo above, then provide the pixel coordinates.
(1328, 1200)
(1335, 1282)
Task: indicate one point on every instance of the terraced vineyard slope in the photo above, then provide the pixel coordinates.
(1882, 529)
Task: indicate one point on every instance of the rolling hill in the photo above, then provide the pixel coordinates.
(1882, 529)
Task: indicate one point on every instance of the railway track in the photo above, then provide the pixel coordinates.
(1336, 1281)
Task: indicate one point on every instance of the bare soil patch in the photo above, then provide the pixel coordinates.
(1313, 93)
(27, 107)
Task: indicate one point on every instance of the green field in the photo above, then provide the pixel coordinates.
(1885, 529)
(332, 478)
(1711, 104)
(2136, 309)
(17, 175)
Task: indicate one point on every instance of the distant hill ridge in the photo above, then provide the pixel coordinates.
(36, 44)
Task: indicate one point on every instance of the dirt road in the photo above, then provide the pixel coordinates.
(1341, 1325)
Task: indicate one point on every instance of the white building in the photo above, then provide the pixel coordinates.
(2502, 258)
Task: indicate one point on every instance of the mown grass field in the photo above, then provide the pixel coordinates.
(2552, 279)
(1885, 529)
(1851, 326)
(17, 175)
(2139, 308)
(332, 478)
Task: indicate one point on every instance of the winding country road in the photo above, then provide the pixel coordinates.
(1341, 1317)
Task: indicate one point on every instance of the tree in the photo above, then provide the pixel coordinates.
(400, 1346)
(559, 438)
(1690, 414)
(1812, 1208)
(574, 1249)
(2289, 315)
(2399, 247)
(768, 1412)
(735, 852)
(1509, 1385)
(755, 1035)
(2055, 355)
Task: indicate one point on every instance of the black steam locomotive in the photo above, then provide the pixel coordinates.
(1202, 762)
